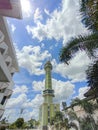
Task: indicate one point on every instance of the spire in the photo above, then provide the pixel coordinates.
(48, 93)
(48, 68)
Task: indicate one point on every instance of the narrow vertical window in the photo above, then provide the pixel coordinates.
(3, 100)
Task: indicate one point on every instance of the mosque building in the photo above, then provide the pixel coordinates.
(48, 108)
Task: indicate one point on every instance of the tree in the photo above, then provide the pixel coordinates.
(88, 123)
(89, 109)
(88, 43)
(92, 74)
(2, 128)
(58, 116)
(73, 125)
(72, 115)
(32, 123)
(87, 106)
(59, 121)
(19, 122)
(37, 123)
(12, 126)
(89, 11)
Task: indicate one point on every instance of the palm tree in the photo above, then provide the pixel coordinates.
(57, 119)
(58, 116)
(89, 11)
(88, 123)
(92, 74)
(89, 109)
(87, 106)
(73, 117)
(64, 124)
(60, 122)
(88, 43)
(73, 125)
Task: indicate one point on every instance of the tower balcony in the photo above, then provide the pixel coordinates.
(48, 92)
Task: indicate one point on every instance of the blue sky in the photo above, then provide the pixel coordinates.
(45, 28)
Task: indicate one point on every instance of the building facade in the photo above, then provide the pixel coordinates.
(8, 61)
(48, 108)
(81, 113)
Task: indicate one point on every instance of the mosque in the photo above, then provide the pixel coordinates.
(48, 108)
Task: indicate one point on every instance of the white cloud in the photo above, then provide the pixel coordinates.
(75, 70)
(37, 32)
(47, 12)
(37, 15)
(63, 90)
(82, 91)
(30, 107)
(51, 47)
(61, 24)
(20, 89)
(38, 85)
(42, 45)
(31, 58)
(17, 102)
(13, 28)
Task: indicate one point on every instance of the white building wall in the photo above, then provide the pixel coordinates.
(5, 92)
(8, 61)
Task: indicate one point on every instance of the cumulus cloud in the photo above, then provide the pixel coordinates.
(22, 89)
(38, 85)
(82, 91)
(37, 15)
(31, 58)
(30, 107)
(15, 102)
(63, 90)
(75, 70)
(62, 23)
(13, 28)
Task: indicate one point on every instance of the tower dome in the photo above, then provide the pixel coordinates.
(48, 65)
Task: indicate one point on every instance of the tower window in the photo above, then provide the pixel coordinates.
(55, 108)
(48, 120)
(48, 113)
(3, 100)
(48, 107)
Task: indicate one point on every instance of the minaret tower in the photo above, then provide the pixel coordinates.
(48, 93)
(48, 108)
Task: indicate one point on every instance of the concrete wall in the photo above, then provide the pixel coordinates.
(47, 111)
(8, 64)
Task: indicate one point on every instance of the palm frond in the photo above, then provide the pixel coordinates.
(87, 43)
(87, 106)
(89, 12)
(92, 75)
(72, 115)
